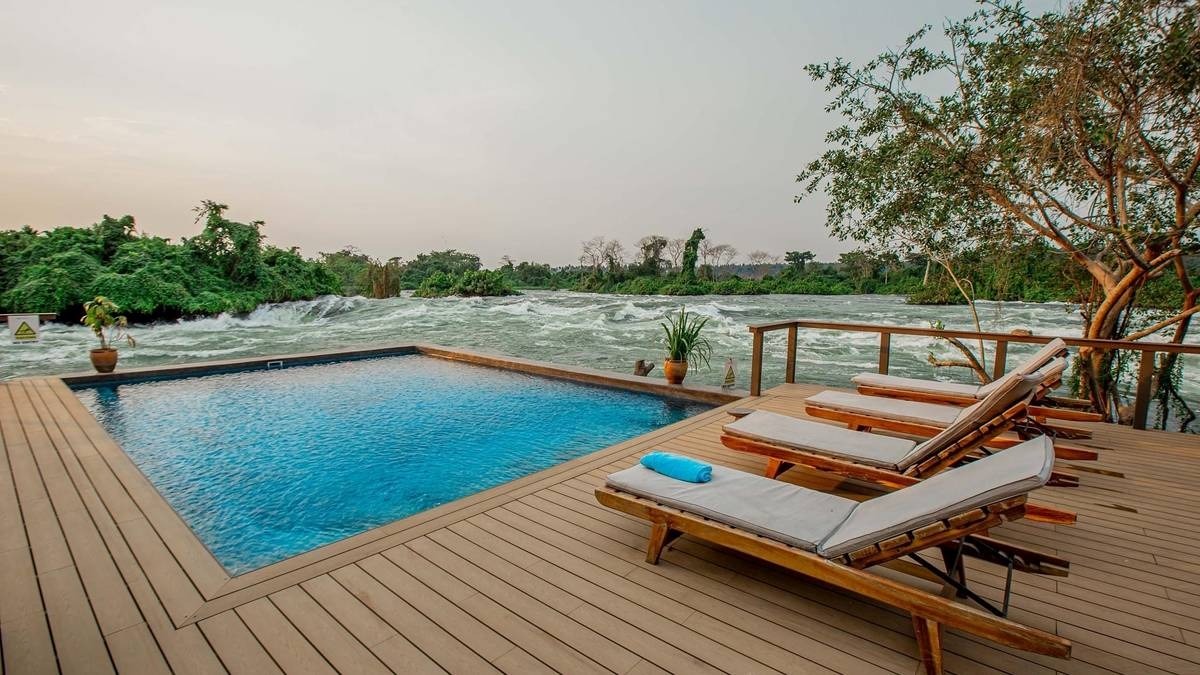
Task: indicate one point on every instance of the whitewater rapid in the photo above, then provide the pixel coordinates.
(600, 331)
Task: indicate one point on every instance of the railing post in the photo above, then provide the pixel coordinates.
(790, 375)
(1001, 359)
(756, 365)
(1141, 401)
(885, 351)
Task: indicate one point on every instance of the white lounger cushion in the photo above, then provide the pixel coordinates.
(1009, 473)
(1030, 365)
(974, 416)
(872, 449)
(934, 414)
(937, 414)
(777, 510)
(832, 525)
(916, 385)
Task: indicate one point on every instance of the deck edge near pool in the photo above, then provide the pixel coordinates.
(190, 582)
(649, 384)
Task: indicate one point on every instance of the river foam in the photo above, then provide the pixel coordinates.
(595, 330)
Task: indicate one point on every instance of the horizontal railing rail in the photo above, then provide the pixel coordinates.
(1142, 393)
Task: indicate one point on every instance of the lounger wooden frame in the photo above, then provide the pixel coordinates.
(929, 611)
(864, 422)
(1069, 412)
(780, 458)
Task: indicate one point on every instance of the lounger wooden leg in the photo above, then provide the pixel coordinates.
(929, 643)
(661, 536)
(776, 467)
(952, 561)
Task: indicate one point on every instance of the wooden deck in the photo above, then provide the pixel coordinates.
(97, 574)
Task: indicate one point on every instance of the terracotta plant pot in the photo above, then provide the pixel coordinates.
(675, 371)
(104, 360)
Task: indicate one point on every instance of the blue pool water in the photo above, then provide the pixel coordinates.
(267, 464)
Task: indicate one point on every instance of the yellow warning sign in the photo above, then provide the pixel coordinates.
(25, 332)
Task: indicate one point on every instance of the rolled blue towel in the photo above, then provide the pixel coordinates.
(678, 467)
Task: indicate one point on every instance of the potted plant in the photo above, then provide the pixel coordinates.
(101, 316)
(684, 343)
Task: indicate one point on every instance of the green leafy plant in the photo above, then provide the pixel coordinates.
(683, 337)
(101, 316)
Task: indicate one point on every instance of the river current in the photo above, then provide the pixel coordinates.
(601, 331)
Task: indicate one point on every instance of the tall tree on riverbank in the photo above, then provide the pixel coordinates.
(691, 251)
(1079, 128)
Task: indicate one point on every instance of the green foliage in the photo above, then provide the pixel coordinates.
(796, 260)
(479, 283)
(690, 252)
(224, 269)
(350, 266)
(100, 314)
(683, 338)
(451, 262)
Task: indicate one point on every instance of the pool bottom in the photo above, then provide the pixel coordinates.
(264, 465)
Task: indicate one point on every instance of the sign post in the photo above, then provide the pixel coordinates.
(24, 328)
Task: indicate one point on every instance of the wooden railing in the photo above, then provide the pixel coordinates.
(1142, 393)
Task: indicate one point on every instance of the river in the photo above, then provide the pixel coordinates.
(600, 331)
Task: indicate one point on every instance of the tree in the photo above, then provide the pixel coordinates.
(613, 255)
(859, 266)
(1080, 129)
(235, 248)
(690, 252)
(593, 254)
(722, 254)
(796, 260)
(451, 262)
(761, 260)
(651, 250)
(675, 251)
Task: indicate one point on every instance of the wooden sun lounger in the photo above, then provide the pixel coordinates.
(1046, 407)
(787, 442)
(863, 421)
(780, 458)
(956, 535)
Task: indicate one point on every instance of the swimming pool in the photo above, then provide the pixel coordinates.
(267, 464)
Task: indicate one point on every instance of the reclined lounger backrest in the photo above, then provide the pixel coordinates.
(1011, 473)
(1052, 350)
(974, 416)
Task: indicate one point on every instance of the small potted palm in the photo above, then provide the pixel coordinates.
(101, 316)
(684, 343)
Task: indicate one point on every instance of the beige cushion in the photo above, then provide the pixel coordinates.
(1036, 362)
(915, 385)
(857, 446)
(1053, 349)
(1011, 391)
(888, 408)
(777, 510)
(1008, 473)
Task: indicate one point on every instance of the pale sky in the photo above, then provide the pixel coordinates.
(519, 128)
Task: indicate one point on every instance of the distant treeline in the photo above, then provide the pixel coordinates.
(228, 268)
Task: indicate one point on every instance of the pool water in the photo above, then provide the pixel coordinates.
(266, 464)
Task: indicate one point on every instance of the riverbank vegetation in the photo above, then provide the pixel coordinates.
(225, 268)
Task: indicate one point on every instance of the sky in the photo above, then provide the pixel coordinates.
(503, 128)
